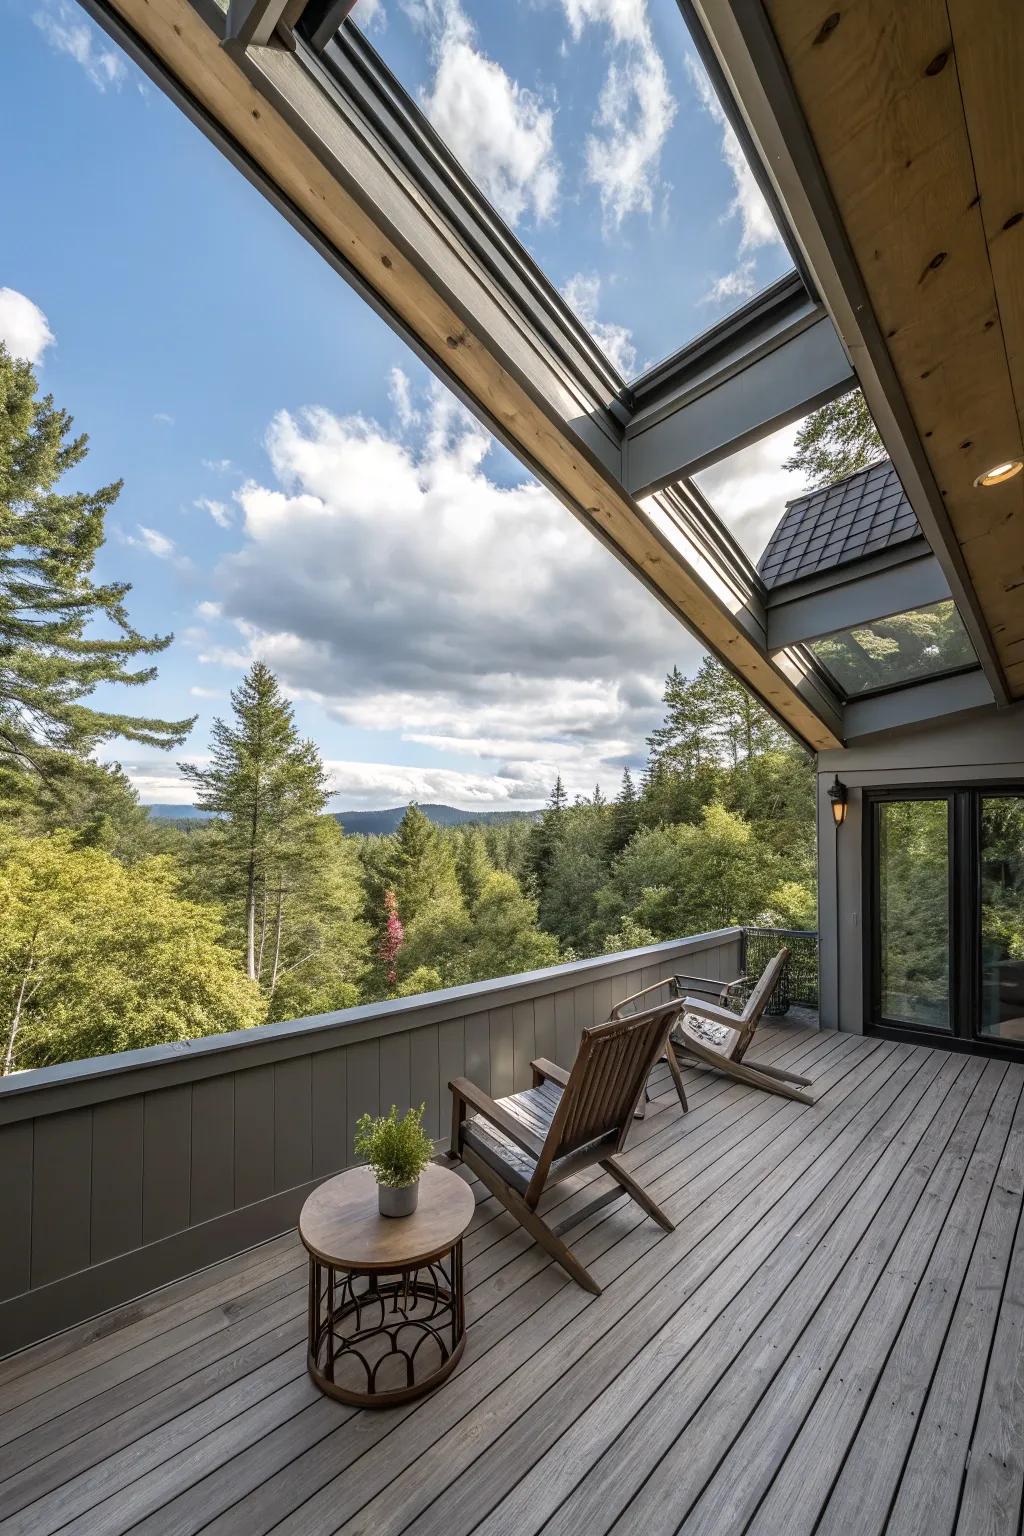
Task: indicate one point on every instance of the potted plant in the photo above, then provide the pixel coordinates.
(397, 1151)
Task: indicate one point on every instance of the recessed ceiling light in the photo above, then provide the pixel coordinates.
(1000, 472)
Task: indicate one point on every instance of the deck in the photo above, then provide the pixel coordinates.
(830, 1341)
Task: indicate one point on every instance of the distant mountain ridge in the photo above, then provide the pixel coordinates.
(370, 823)
(380, 823)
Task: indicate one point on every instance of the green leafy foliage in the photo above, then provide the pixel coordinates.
(836, 440)
(397, 1149)
(99, 956)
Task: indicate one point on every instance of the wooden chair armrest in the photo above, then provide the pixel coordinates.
(710, 1011)
(705, 983)
(484, 1105)
(656, 986)
(543, 1068)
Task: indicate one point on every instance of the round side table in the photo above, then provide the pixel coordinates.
(386, 1314)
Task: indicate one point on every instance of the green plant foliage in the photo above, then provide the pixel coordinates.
(835, 441)
(62, 634)
(98, 956)
(397, 1150)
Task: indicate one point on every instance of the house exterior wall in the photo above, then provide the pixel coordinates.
(986, 746)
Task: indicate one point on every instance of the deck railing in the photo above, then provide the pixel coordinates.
(799, 981)
(124, 1172)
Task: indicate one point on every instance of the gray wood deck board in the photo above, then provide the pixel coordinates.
(832, 1339)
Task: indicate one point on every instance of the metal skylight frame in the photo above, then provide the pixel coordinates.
(511, 348)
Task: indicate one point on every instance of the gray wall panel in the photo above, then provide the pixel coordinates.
(544, 1028)
(332, 1144)
(478, 1050)
(567, 1031)
(524, 1045)
(293, 1123)
(166, 1161)
(117, 1162)
(254, 1142)
(15, 1208)
(424, 1076)
(503, 1067)
(213, 1148)
(363, 1082)
(61, 1195)
(394, 1073)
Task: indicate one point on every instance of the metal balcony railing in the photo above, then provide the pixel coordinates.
(799, 981)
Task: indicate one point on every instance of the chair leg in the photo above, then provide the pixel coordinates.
(677, 1074)
(786, 1077)
(742, 1073)
(637, 1192)
(531, 1222)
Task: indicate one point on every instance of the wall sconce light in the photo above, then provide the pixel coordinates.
(837, 799)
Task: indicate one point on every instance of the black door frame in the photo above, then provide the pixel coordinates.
(964, 800)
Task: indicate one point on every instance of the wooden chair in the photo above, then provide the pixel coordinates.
(718, 1037)
(521, 1145)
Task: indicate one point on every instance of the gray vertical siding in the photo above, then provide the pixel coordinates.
(126, 1172)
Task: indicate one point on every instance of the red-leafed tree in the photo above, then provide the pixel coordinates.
(392, 939)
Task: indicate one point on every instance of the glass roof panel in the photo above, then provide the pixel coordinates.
(594, 130)
(749, 490)
(909, 647)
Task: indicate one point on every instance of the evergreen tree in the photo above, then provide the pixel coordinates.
(61, 633)
(472, 864)
(625, 814)
(270, 787)
(545, 835)
(836, 440)
(424, 867)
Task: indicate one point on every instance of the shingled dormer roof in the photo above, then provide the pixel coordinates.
(866, 512)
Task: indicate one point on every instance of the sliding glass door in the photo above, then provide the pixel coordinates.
(914, 912)
(944, 886)
(1001, 904)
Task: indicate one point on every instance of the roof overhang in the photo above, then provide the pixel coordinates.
(894, 138)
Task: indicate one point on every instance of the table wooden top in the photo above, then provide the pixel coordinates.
(341, 1225)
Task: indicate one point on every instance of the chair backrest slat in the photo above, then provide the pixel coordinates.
(608, 1076)
(758, 1000)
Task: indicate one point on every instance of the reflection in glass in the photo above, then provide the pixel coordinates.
(922, 643)
(913, 912)
(1002, 916)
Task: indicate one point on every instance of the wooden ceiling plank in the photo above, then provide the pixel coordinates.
(894, 112)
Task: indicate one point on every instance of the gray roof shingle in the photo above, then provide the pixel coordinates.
(855, 517)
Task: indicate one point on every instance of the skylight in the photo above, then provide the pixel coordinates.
(925, 642)
(596, 133)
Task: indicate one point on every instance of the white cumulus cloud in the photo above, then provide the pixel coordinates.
(68, 31)
(582, 293)
(757, 227)
(220, 513)
(24, 328)
(635, 109)
(390, 581)
(500, 131)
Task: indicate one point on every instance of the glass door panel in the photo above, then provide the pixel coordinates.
(1001, 895)
(914, 912)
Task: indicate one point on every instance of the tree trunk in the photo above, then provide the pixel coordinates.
(263, 930)
(16, 1020)
(277, 939)
(250, 922)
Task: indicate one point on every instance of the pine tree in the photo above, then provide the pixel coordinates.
(424, 869)
(270, 787)
(625, 814)
(50, 606)
(545, 834)
(472, 864)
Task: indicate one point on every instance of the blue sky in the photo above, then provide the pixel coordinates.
(296, 484)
